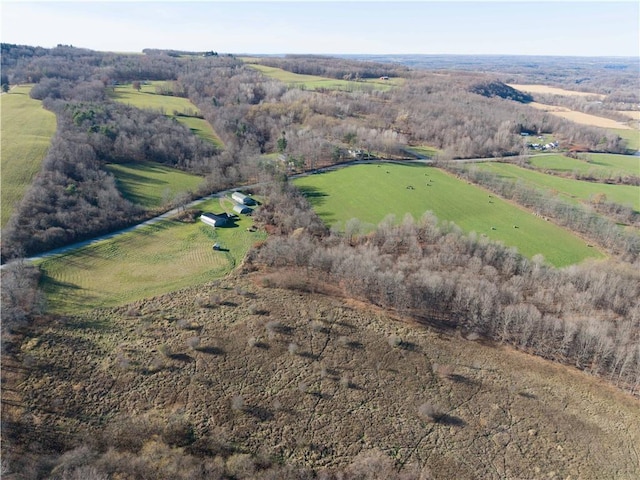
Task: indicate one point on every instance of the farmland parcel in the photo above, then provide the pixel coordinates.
(26, 133)
(370, 192)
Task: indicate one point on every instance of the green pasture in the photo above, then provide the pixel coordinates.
(631, 136)
(26, 130)
(178, 107)
(148, 261)
(572, 190)
(370, 192)
(313, 82)
(602, 165)
(424, 151)
(152, 185)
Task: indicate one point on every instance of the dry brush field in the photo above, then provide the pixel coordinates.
(314, 381)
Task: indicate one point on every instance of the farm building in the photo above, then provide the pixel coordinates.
(243, 209)
(242, 198)
(216, 220)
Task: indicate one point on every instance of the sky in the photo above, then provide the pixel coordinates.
(571, 28)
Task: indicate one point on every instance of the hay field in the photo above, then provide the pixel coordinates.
(153, 260)
(569, 189)
(601, 165)
(313, 82)
(371, 192)
(26, 130)
(580, 117)
(545, 89)
(178, 107)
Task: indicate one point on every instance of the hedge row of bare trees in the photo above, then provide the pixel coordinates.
(587, 315)
(606, 232)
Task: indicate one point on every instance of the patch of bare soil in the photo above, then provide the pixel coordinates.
(316, 380)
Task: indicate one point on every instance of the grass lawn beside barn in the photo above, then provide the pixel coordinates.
(371, 192)
(149, 261)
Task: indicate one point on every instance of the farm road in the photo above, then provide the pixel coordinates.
(221, 194)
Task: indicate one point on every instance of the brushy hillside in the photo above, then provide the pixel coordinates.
(241, 379)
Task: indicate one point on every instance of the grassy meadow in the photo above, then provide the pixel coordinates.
(568, 188)
(598, 164)
(631, 136)
(147, 98)
(26, 130)
(313, 82)
(152, 185)
(145, 262)
(370, 192)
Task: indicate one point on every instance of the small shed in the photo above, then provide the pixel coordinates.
(242, 198)
(242, 209)
(215, 220)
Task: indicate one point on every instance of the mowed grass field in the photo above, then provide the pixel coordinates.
(149, 261)
(147, 98)
(570, 189)
(599, 164)
(26, 130)
(152, 185)
(313, 82)
(370, 192)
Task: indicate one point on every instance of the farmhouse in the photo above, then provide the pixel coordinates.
(243, 209)
(242, 198)
(215, 220)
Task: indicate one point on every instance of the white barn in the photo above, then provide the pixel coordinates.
(215, 220)
(242, 198)
(242, 209)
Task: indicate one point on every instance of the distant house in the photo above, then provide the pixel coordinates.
(216, 220)
(384, 77)
(242, 209)
(242, 198)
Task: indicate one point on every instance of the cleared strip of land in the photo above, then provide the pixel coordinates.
(26, 132)
(370, 192)
(576, 191)
(156, 259)
(598, 164)
(181, 108)
(152, 185)
(545, 89)
(313, 82)
(580, 117)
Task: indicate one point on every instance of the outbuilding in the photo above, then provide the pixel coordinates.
(242, 209)
(215, 220)
(242, 198)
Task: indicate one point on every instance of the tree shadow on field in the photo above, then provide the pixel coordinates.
(210, 350)
(181, 357)
(451, 420)
(313, 194)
